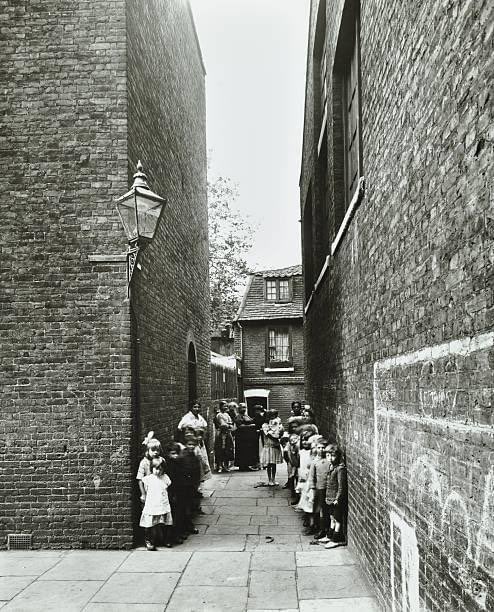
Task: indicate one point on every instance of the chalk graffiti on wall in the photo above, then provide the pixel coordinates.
(409, 563)
(414, 394)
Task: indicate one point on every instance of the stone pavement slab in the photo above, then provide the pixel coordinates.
(275, 560)
(216, 568)
(208, 599)
(121, 607)
(319, 556)
(349, 604)
(241, 511)
(153, 588)
(250, 556)
(26, 566)
(80, 565)
(337, 581)
(232, 543)
(11, 585)
(55, 596)
(166, 561)
(272, 589)
(232, 530)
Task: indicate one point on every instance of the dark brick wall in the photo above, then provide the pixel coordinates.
(70, 136)
(285, 386)
(167, 131)
(398, 336)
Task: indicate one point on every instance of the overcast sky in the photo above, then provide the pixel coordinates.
(254, 52)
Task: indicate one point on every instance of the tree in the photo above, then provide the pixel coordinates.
(230, 238)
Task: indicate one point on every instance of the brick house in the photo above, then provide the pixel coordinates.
(397, 223)
(89, 89)
(269, 339)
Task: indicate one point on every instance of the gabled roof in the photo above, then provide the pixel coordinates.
(254, 307)
(280, 272)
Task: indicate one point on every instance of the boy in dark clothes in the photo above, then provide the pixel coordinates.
(336, 502)
(187, 471)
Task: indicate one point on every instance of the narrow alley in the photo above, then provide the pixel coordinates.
(226, 565)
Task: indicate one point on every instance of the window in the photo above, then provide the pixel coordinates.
(192, 374)
(284, 290)
(271, 290)
(279, 347)
(278, 290)
(346, 110)
(307, 245)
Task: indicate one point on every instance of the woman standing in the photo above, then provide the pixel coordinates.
(246, 446)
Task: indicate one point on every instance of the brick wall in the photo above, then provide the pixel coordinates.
(399, 342)
(285, 386)
(68, 421)
(167, 131)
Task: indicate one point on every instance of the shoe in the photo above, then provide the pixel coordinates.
(337, 539)
(169, 545)
(286, 485)
(323, 540)
(294, 502)
(320, 534)
(150, 546)
(276, 484)
(194, 531)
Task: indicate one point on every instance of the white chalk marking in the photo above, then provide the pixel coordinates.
(410, 599)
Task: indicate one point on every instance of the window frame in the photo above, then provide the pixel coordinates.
(276, 364)
(278, 299)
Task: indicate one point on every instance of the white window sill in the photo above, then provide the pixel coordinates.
(279, 369)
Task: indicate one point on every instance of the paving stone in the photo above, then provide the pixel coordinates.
(290, 520)
(242, 510)
(206, 519)
(349, 604)
(81, 565)
(288, 510)
(253, 494)
(49, 595)
(124, 587)
(167, 560)
(230, 519)
(26, 566)
(275, 560)
(120, 607)
(208, 599)
(336, 581)
(217, 568)
(233, 530)
(264, 520)
(272, 589)
(322, 557)
(273, 501)
(213, 543)
(237, 501)
(279, 530)
(11, 585)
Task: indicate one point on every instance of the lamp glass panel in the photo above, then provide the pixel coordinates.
(149, 213)
(127, 211)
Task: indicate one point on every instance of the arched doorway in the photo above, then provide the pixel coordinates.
(191, 374)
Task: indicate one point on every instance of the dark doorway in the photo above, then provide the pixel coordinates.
(192, 374)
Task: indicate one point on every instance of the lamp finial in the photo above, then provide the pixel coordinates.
(140, 178)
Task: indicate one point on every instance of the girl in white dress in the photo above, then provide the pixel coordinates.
(305, 503)
(156, 512)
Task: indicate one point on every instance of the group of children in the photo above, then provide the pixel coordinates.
(318, 480)
(170, 488)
